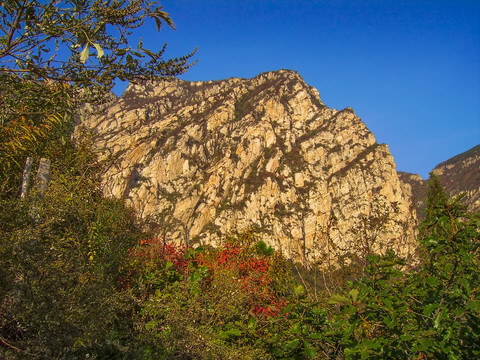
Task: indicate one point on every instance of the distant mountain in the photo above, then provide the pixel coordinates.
(460, 174)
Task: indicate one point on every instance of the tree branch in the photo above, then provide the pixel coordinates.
(15, 24)
(9, 345)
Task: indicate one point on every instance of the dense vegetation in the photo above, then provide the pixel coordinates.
(80, 277)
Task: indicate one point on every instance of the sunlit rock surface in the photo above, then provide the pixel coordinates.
(205, 159)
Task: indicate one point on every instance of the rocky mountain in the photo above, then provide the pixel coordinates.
(202, 160)
(458, 175)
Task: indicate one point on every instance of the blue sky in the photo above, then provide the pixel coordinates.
(409, 69)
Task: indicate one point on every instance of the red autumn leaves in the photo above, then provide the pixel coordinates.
(251, 270)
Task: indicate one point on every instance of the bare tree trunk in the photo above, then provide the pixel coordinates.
(41, 183)
(26, 177)
(304, 242)
(43, 177)
(187, 235)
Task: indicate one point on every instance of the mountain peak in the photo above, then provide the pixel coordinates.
(205, 159)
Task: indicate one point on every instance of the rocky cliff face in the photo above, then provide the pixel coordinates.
(205, 159)
(458, 175)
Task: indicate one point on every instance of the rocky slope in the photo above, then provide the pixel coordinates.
(458, 175)
(205, 159)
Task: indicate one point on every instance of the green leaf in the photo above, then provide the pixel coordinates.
(100, 52)
(151, 325)
(354, 294)
(317, 311)
(432, 241)
(277, 352)
(458, 312)
(474, 305)
(224, 335)
(437, 320)
(160, 15)
(196, 276)
(427, 310)
(296, 328)
(315, 336)
(98, 27)
(433, 281)
(287, 309)
(310, 351)
(406, 337)
(292, 345)
(299, 290)
(203, 271)
(338, 299)
(391, 323)
(264, 249)
(84, 54)
(388, 303)
(195, 289)
(372, 344)
(424, 344)
(158, 22)
(121, 52)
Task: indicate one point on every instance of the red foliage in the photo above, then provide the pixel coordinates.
(253, 271)
(253, 275)
(155, 251)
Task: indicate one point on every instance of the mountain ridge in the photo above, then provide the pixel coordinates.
(205, 159)
(458, 175)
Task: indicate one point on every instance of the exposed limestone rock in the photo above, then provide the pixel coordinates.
(458, 175)
(209, 158)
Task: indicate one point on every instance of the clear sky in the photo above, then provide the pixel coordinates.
(409, 69)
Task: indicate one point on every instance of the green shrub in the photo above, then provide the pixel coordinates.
(430, 312)
(59, 294)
